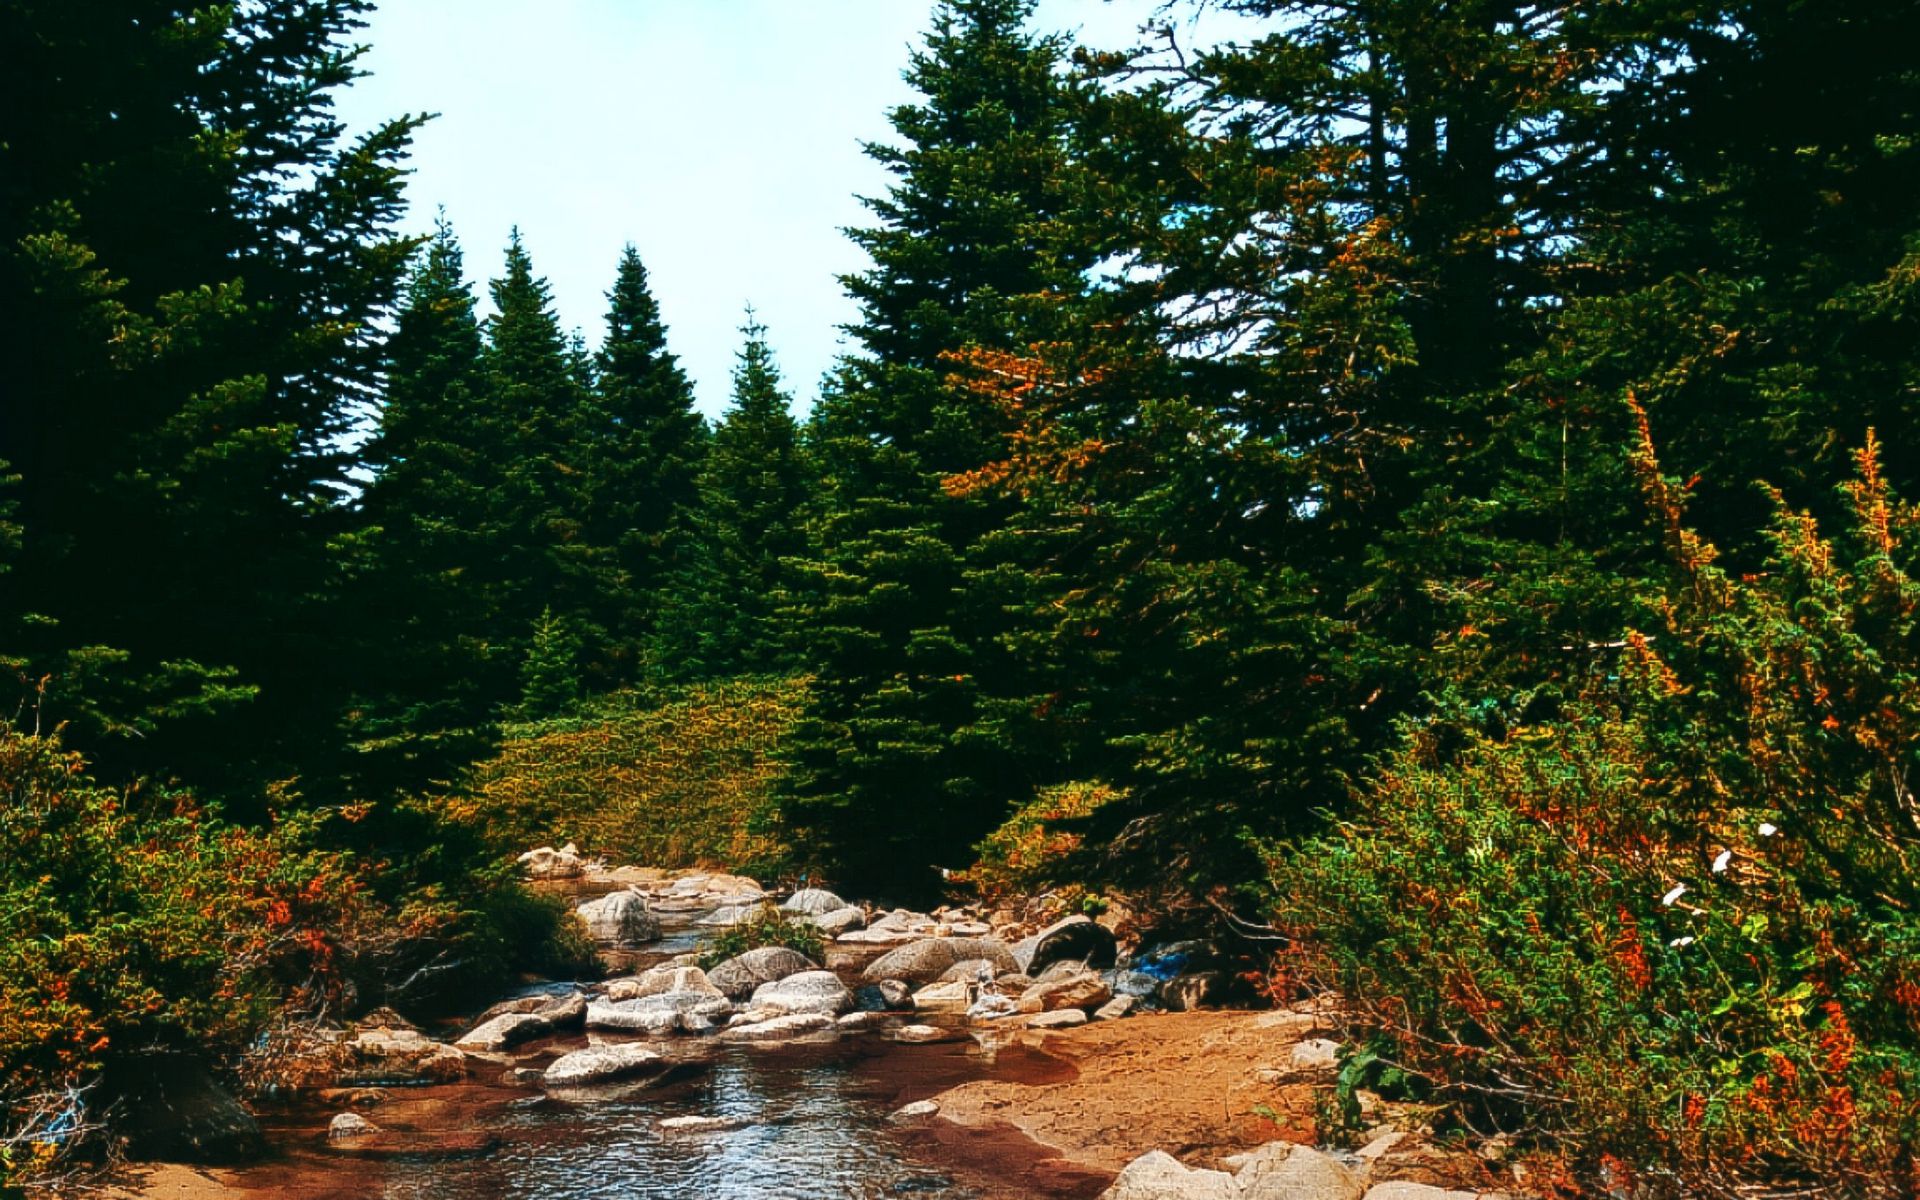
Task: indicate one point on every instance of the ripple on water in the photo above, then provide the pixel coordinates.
(809, 1131)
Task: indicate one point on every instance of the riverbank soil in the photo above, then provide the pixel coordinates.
(1199, 1085)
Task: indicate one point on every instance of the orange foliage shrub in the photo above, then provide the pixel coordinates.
(681, 783)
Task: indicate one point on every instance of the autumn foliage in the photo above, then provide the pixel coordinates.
(1675, 930)
(675, 780)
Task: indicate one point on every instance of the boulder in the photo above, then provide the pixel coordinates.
(663, 1001)
(170, 1107)
(839, 921)
(894, 928)
(564, 1012)
(1282, 1171)
(926, 960)
(889, 995)
(1158, 1175)
(1063, 1018)
(504, 1032)
(548, 863)
(943, 997)
(859, 1022)
(620, 920)
(805, 992)
(1065, 968)
(914, 1034)
(350, 1125)
(781, 1029)
(811, 902)
(1314, 1056)
(602, 1064)
(739, 976)
(730, 914)
(1077, 938)
(1085, 991)
(1114, 1009)
(991, 1006)
(1200, 989)
(383, 1055)
(660, 1014)
(972, 970)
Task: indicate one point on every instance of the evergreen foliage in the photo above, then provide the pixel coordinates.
(718, 616)
(970, 248)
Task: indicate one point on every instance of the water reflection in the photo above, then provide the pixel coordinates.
(810, 1128)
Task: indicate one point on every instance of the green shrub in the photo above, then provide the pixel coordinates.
(678, 780)
(768, 926)
(130, 920)
(1676, 934)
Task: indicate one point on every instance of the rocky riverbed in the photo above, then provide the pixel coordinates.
(957, 1053)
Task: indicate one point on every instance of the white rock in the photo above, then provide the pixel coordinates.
(700, 1124)
(1059, 1018)
(601, 1064)
(781, 1029)
(1114, 1009)
(350, 1125)
(1158, 1175)
(839, 921)
(1315, 1056)
(811, 902)
(943, 997)
(919, 1110)
(504, 1031)
(1280, 1171)
(621, 920)
(804, 992)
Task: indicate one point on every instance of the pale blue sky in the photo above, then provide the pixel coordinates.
(720, 137)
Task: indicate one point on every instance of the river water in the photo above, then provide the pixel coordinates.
(811, 1122)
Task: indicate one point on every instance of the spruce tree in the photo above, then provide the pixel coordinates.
(431, 676)
(719, 615)
(196, 268)
(971, 247)
(538, 552)
(645, 461)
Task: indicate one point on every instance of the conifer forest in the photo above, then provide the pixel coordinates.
(1427, 497)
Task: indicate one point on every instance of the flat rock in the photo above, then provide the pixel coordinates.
(943, 997)
(350, 1125)
(1158, 1175)
(1085, 991)
(859, 1022)
(504, 1032)
(1114, 1009)
(838, 921)
(383, 1055)
(918, 1034)
(926, 960)
(602, 1064)
(805, 992)
(737, 977)
(781, 1029)
(1281, 1171)
(1064, 1018)
(1400, 1189)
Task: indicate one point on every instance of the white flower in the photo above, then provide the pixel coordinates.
(1678, 891)
(1720, 863)
(1768, 829)
(1680, 941)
